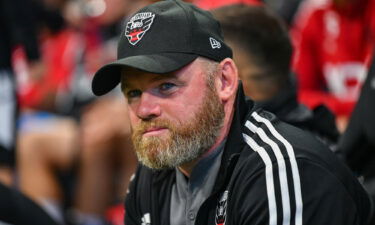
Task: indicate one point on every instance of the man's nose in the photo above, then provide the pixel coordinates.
(148, 106)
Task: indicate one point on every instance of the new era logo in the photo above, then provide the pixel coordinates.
(214, 43)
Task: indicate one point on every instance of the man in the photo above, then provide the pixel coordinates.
(262, 52)
(207, 157)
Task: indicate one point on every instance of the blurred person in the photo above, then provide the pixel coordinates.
(262, 52)
(60, 47)
(207, 155)
(48, 131)
(18, 29)
(333, 41)
(358, 141)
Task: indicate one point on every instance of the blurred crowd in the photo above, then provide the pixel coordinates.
(70, 153)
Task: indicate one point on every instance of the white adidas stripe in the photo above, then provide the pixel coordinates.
(293, 162)
(282, 170)
(269, 178)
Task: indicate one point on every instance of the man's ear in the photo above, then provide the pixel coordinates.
(227, 81)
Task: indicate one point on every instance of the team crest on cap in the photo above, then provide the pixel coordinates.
(138, 25)
(221, 209)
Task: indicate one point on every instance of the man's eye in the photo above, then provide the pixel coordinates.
(133, 93)
(166, 86)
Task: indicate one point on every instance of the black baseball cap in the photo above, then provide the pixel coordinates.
(161, 38)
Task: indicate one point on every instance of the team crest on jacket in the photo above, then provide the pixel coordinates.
(138, 25)
(221, 209)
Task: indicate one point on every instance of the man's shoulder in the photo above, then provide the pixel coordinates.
(263, 128)
(277, 143)
(282, 163)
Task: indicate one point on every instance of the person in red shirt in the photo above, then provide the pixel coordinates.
(333, 44)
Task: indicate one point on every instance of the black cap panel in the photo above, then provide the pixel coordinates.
(167, 32)
(163, 37)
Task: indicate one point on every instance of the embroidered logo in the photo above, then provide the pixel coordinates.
(146, 219)
(138, 25)
(221, 209)
(214, 43)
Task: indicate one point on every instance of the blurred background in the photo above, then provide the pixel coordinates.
(70, 152)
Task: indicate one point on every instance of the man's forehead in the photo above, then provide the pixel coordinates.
(131, 76)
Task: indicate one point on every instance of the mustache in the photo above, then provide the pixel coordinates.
(146, 125)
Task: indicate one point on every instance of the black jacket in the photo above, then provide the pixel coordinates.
(358, 142)
(304, 183)
(320, 121)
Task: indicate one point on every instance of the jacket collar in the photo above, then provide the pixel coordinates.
(243, 107)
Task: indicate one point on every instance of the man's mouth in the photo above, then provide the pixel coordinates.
(154, 131)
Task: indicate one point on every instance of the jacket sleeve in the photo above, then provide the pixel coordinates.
(132, 217)
(319, 197)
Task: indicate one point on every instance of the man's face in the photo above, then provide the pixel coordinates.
(175, 117)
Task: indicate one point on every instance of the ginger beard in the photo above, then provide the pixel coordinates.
(186, 140)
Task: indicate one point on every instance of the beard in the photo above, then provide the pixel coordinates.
(186, 140)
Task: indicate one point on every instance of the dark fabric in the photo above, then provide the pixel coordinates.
(17, 209)
(358, 142)
(328, 191)
(17, 26)
(320, 121)
(7, 157)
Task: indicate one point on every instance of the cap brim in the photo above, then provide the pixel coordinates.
(109, 76)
